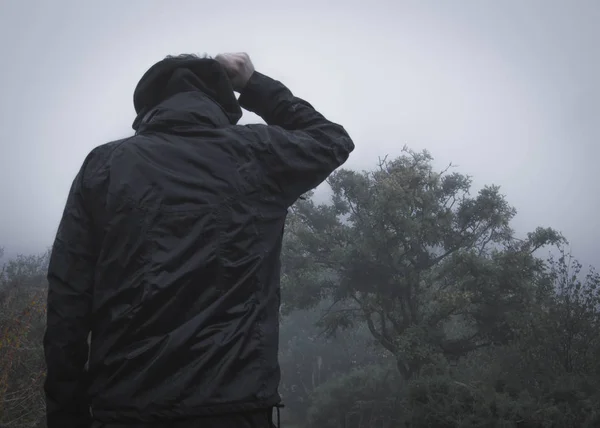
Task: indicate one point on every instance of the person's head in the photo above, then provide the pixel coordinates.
(184, 73)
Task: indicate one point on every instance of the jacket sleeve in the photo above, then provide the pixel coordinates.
(70, 280)
(299, 148)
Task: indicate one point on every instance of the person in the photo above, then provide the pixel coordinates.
(163, 299)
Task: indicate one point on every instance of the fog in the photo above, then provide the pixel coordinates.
(507, 91)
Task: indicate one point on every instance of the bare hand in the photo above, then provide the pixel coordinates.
(239, 68)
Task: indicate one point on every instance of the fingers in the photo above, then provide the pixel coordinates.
(238, 66)
(233, 61)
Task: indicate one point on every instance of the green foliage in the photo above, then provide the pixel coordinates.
(546, 375)
(492, 389)
(484, 333)
(430, 270)
(358, 398)
(22, 318)
(309, 359)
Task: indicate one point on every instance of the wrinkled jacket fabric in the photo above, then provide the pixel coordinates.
(168, 252)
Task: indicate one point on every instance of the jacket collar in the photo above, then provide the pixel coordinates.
(181, 112)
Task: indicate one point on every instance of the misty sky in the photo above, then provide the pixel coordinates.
(506, 90)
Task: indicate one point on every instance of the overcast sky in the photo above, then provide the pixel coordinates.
(507, 90)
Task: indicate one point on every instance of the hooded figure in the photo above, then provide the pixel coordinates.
(186, 73)
(168, 254)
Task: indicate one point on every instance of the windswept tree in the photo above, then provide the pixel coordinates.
(432, 271)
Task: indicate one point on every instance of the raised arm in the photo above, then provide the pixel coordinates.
(298, 148)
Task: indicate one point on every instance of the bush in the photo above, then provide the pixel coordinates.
(363, 397)
(487, 389)
(22, 323)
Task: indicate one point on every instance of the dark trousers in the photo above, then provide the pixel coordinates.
(257, 419)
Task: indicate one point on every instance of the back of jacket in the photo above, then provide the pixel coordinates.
(174, 236)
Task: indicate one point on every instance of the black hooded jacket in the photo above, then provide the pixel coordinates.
(168, 251)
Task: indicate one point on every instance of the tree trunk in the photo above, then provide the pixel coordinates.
(404, 370)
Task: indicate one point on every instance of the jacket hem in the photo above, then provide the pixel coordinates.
(107, 415)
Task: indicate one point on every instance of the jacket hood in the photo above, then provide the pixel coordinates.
(173, 76)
